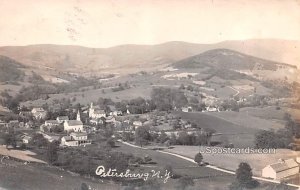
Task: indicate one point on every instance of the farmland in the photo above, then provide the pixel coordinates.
(231, 161)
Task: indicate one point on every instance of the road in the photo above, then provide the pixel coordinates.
(175, 156)
(237, 92)
(179, 165)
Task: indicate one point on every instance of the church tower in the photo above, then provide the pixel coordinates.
(91, 110)
(78, 116)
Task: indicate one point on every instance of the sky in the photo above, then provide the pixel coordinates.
(107, 23)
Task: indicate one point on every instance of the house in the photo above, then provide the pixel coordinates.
(62, 119)
(13, 123)
(137, 124)
(50, 123)
(116, 113)
(75, 139)
(28, 124)
(187, 109)
(25, 113)
(39, 113)
(74, 125)
(3, 124)
(96, 112)
(49, 137)
(97, 121)
(281, 169)
(110, 119)
(26, 139)
(212, 109)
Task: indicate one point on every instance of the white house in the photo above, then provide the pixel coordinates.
(39, 113)
(74, 125)
(116, 113)
(281, 169)
(62, 119)
(26, 139)
(51, 123)
(187, 109)
(75, 139)
(137, 124)
(96, 112)
(212, 109)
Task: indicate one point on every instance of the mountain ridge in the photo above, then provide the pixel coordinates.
(138, 57)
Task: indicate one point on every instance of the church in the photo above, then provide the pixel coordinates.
(95, 112)
(74, 125)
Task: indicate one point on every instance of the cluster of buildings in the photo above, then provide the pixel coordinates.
(77, 133)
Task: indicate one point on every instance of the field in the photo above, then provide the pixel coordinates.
(22, 155)
(246, 119)
(268, 112)
(239, 135)
(202, 175)
(231, 161)
(36, 177)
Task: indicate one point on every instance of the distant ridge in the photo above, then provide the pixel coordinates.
(131, 58)
(228, 59)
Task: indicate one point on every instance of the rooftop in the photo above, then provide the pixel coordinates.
(74, 122)
(284, 165)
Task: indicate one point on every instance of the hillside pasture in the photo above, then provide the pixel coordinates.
(239, 135)
(247, 120)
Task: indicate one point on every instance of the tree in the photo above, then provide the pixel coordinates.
(173, 139)
(244, 176)
(10, 139)
(52, 154)
(176, 124)
(110, 142)
(184, 182)
(167, 99)
(84, 186)
(163, 137)
(181, 87)
(184, 138)
(38, 140)
(198, 158)
(270, 139)
(142, 135)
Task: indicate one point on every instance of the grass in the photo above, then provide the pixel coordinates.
(240, 136)
(179, 165)
(247, 120)
(231, 161)
(28, 177)
(19, 154)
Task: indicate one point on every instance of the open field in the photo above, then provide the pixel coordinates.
(42, 177)
(205, 176)
(240, 136)
(19, 154)
(244, 119)
(231, 161)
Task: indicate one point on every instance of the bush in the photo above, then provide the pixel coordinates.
(198, 158)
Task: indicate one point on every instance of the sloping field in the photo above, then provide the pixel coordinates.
(246, 120)
(19, 154)
(231, 161)
(239, 135)
(42, 177)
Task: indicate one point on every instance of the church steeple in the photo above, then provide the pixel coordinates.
(78, 116)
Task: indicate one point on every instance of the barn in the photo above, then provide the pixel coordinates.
(281, 169)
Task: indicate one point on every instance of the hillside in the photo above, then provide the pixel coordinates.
(228, 59)
(132, 58)
(10, 69)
